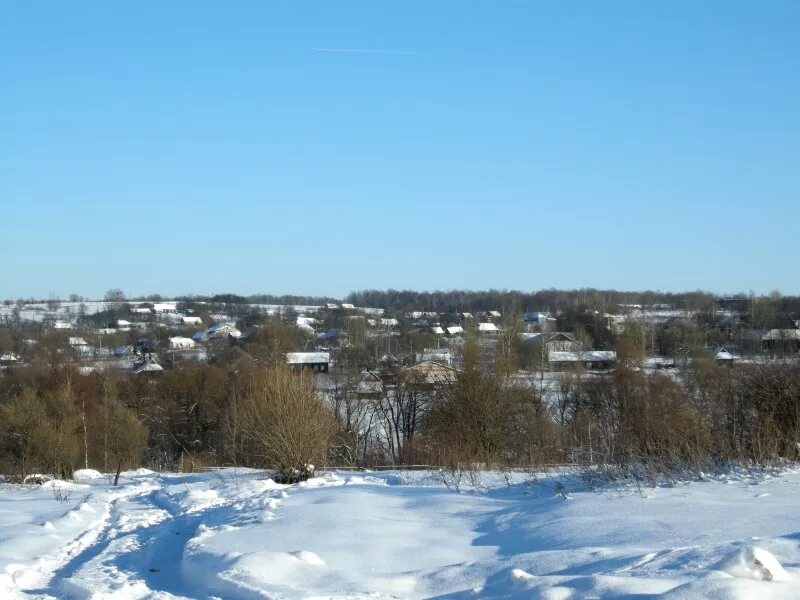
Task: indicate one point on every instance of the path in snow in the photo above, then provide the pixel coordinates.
(238, 536)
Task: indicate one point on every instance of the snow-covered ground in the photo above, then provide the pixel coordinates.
(235, 534)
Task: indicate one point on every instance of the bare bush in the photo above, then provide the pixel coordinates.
(284, 424)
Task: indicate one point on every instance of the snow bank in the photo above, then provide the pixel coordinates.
(84, 475)
(754, 562)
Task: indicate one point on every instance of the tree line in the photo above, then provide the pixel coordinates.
(256, 412)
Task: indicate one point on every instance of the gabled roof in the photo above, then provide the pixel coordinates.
(487, 327)
(431, 372)
(370, 383)
(722, 354)
(551, 336)
(149, 366)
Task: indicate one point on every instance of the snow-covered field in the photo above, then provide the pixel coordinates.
(235, 534)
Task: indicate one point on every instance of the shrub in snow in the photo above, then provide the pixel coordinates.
(284, 424)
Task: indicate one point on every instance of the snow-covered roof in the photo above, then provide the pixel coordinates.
(455, 330)
(307, 358)
(586, 356)
(191, 320)
(389, 322)
(9, 357)
(148, 367)
(437, 330)
(222, 329)
(494, 313)
(77, 341)
(432, 372)
(62, 325)
(487, 327)
(165, 306)
(307, 321)
(123, 323)
(782, 334)
(181, 342)
(347, 306)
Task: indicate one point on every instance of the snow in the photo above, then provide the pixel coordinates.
(235, 533)
(307, 358)
(84, 475)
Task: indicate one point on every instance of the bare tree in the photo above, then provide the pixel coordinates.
(128, 437)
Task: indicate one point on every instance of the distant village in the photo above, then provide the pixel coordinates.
(149, 337)
(556, 376)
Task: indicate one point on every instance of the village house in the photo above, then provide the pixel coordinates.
(429, 374)
(181, 343)
(723, 357)
(8, 359)
(781, 340)
(165, 307)
(307, 321)
(147, 364)
(556, 341)
(80, 346)
(318, 362)
(216, 332)
(596, 360)
(370, 385)
(440, 355)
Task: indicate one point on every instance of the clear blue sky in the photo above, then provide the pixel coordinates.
(321, 147)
